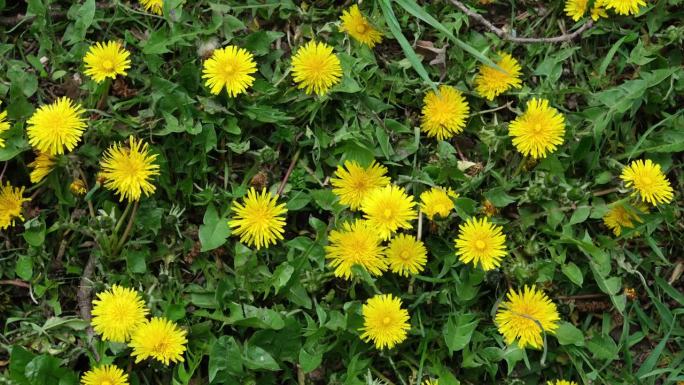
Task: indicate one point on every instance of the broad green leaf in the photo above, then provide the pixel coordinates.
(567, 334)
(214, 232)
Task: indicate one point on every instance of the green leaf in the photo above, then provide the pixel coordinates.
(580, 215)
(567, 334)
(214, 232)
(225, 356)
(603, 347)
(310, 361)
(256, 358)
(574, 273)
(459, 330)
(499, 197)
(24, 268)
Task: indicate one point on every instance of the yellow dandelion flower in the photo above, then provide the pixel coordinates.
(437, 201)
(561, 382)
(56, 127)
(575, 9)
(356, 244)
(599, 10)
(620, 216)
(491, 82)
(384, 321)
(11, 199)
(128, 170)
(230, 67)
(78, 187)
(431, 381)
(444, 113)
(406, 255)
(105, 375)
(106, 60)
(389, 209)
(117, 313)
(481, 242)
(356, 25)
(4, 126)
(315, 68)
(625, 7)
(259, 220)
(539, 130)
(160, 339)
(154, 6)
(42, 166)
(648, 181)
(520, 317)
(352, 183)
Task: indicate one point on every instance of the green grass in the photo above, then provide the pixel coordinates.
(279, 316)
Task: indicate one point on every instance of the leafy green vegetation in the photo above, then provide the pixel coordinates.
(279, 314)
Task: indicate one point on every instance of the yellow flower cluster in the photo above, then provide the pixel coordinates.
(576, 9)
(119, 315)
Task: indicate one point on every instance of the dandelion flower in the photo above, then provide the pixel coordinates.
(431, 381)
(384, 321)
(356, 244)
(56, 127)
(444, 113)
(154, 6)
(560, 382)
(315, 68)
(117, 312)
(481, 242)
(230, 67)
(520, 317)
(78, 187)
(11, 199)
(4, 126)
(539, 130)
(106, 60)
(389, 209)
(259, 220)
(620, 216)
(491, 82)
(160, 339)
(356, 25)
(105, 375)
(648, 181)
(598, 10)
(437, 201)
(42, 166)
(128, 170)
(406, 255)
(625, 7)
(352, 183)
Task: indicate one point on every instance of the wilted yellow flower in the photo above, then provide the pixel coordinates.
(389, 209)
(648, 181)
(620, 216)
(160, 339)
(491, 82)
(78, 187)
(384, 321)
(352, 183)
(406, 255)
(315, 68)
(437, 201)
(259, 221)
(444, 113)
(539, 130)
(356, 25)
(42, 166)
(117, 312)
(356, 244)
(11, 199)
(105, 375)
(106, 60)
(55, 127)
(625, 7)
(230, 67)
(526, 316)
(481, 242)
(128, 170)
(4, 126)
(154, 6)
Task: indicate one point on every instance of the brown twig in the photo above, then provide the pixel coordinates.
(16, 282)
(605, 192)
(580, 296)
(295, 158)
(83, 297)
(522, 40)
(4, 168)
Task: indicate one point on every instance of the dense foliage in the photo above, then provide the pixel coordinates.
(280, 310)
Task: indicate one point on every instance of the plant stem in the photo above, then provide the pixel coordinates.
(104, 93)
(289, 171)
(120, 222)
(523, 160)
(131, 219)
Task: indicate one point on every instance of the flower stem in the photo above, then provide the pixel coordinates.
(523, 160)
(104, 93)
(131, 220)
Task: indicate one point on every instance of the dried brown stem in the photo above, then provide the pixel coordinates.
(521, 40)
(295, 158)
